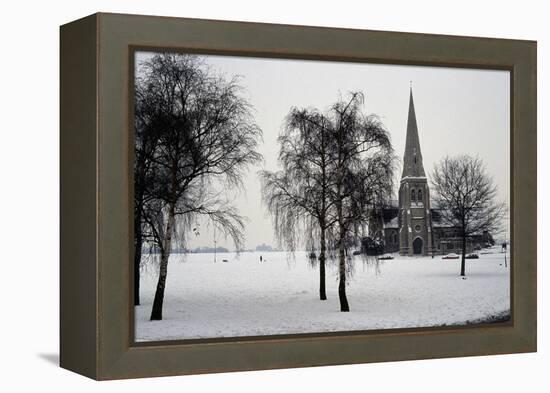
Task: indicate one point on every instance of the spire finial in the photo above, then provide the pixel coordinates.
(411, 84)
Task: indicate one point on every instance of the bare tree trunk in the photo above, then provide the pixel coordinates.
(156, 312)
(322, 286)
(138, 233)
(138, 242)
(463, 263)
(344, 306)
(322, 222)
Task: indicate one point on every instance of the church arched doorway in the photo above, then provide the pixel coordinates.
(417, 246)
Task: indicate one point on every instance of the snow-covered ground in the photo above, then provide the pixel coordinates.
(243, 297)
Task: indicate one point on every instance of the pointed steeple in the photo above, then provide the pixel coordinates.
(412, 159)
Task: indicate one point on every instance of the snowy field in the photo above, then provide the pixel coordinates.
(243, 297)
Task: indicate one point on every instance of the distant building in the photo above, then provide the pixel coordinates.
(264, 247)
(411, 226)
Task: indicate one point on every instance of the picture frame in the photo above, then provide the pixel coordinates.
(96, 317)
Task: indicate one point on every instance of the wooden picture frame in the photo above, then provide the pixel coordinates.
(96, 200)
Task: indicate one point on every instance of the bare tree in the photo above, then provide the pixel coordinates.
(296, 196)
(206, 137)
(362, 165)
(147, 125)
(336, 167)
(466, 197)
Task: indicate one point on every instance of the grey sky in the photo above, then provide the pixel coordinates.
(458, 111)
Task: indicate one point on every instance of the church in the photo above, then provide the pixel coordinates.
(412, 227)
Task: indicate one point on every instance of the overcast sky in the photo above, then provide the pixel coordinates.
(457, 110)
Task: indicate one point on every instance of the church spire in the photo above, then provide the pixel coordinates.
(412, 160)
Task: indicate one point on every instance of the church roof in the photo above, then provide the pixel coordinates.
(412, 159)
(392, 223)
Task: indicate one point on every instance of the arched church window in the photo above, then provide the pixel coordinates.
(419, 195)
(413, 195)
